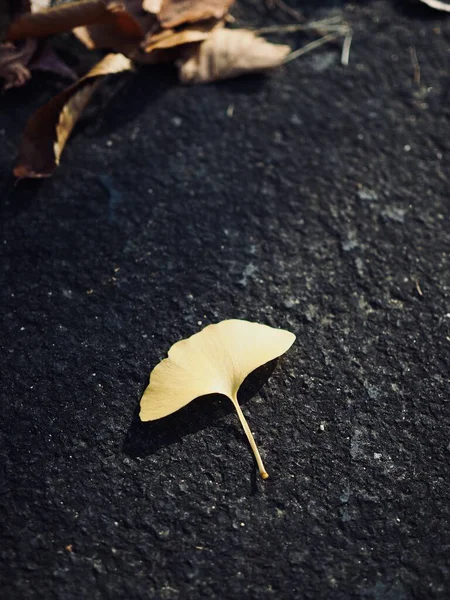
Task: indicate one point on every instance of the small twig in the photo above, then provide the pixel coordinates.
(418, 288)
(295, 14)
(345, 56)
(330, 30)
(415, 64)
(311, 46)
(333, 24)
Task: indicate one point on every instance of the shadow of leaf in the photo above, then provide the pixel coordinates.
(125, 98)
(245, 85)
(147, 438)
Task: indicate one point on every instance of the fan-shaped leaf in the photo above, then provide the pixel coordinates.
(215, 360)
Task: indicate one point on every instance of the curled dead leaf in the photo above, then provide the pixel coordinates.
(215, 360)
(177, 12)
(108, 36)
(123, 33)
(48, 129)
(170, 38)
(55, 20)
(229, 53)
(67, 16)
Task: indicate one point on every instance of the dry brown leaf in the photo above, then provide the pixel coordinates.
(101, 36)
(176, 12)
(437, 4)
(170, 38)
(122, 34)
(214, 361)
(48, 129)
(108, 36)
(11, 9)
(229, 53)
(65, 17)
(132, 20)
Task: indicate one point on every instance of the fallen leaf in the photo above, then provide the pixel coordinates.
(176, 12)
(121, 34)
(65, 17)
(229, 53)
(109, 36)
(132, 20)
(170, 38)
(214, 361)
(48, 129)
(437, 4)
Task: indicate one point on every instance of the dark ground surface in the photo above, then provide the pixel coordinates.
(316, 206)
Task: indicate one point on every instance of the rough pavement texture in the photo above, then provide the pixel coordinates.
(320, 205)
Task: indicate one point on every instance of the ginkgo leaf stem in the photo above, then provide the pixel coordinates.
(250, 438)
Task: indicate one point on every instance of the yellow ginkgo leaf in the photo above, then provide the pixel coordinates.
(214, 361)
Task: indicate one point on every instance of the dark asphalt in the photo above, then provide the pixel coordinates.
(321, 206)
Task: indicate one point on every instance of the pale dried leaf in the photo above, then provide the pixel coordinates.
(176, 12)
(214, 361)
(152, 6)
(229, 53)
(48, 129)
(437, 4)
(40, 5)
(70, 114)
